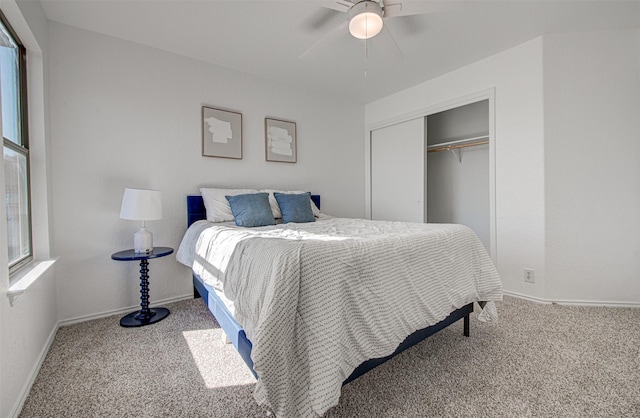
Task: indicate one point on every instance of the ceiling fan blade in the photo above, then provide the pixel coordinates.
(328, 40)
(339, 5)
(319, 19)
(393, 8)
(384, 44)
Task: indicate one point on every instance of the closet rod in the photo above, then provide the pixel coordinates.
(452, 147)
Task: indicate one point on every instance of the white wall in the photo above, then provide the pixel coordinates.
(516, 75)
(26, 328)
(126, 115)
(592, 164)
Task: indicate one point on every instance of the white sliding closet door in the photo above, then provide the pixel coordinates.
(398, 172)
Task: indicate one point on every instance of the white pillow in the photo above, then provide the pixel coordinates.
(275, 208)
(217, 205)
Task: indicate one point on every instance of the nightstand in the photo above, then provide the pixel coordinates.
(144, 316)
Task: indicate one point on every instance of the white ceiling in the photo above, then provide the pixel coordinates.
(265, 38)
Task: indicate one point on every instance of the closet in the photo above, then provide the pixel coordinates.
(435, 168)
(457, 168)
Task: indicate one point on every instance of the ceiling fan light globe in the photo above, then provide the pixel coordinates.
(365, 25)
(366, 20)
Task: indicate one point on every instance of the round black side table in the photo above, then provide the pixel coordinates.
(144, 316)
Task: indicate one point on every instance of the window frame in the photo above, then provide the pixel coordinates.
(23, 149)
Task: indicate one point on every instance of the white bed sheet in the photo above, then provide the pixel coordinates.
(318, 299)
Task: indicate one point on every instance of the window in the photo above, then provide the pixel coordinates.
(13, 90)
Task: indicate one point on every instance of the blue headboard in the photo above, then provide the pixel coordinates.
(196, 210)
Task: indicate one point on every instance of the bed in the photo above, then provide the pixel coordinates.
(309, 389)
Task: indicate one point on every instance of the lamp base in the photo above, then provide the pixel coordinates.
(143, 241)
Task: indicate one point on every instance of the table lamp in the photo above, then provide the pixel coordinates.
(141, 205)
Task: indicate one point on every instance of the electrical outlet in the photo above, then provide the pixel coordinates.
(529, 276)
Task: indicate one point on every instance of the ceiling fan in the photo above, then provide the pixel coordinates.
(365, 20)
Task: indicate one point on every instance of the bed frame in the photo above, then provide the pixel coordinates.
(196, 211)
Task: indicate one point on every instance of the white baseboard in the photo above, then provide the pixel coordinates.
(526, 297)
(24, 392)
(576, 302)
(608, 304)
(121, 311)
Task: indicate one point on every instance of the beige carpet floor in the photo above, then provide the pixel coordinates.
(537, 360)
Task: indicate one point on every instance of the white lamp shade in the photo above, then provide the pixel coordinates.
(366, 20)
(141, 205)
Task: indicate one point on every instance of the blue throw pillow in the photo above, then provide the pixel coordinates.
(295, 207)
(251, 209)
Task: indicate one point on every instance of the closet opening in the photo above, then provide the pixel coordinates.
(458, 168)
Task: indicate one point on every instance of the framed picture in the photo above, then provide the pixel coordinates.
(280, 140)
(221, 133)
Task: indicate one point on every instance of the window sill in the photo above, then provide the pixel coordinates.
(26, 277)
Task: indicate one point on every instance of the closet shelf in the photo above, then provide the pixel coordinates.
(461, 143)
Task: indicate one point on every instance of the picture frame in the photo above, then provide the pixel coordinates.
(221, 133)
(280, 140)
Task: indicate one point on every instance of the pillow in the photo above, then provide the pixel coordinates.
(275, 208)
(251, 209)
(217, 205)
(295, 207)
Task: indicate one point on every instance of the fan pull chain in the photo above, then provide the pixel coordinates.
(366, 44)
(366, 55)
